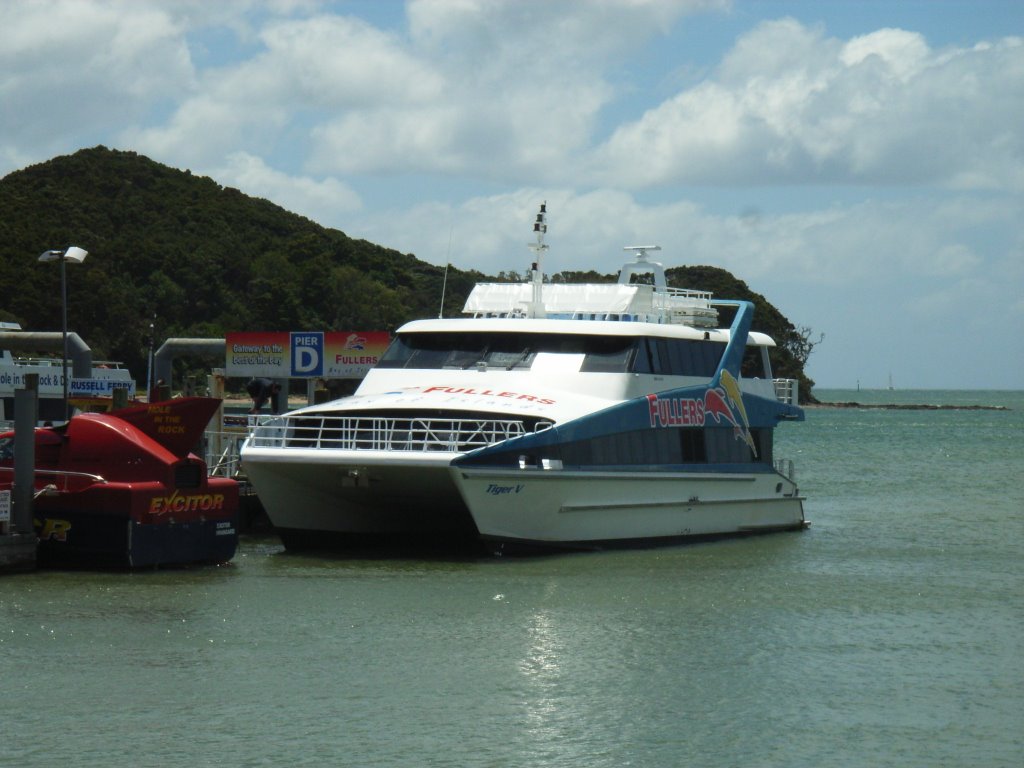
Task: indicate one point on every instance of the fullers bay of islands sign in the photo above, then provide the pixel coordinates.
(311, 354)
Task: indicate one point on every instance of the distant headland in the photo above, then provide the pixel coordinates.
(908, 406)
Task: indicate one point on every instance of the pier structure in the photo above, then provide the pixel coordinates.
(17, 538)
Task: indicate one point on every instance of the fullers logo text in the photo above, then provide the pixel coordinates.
(723, 403)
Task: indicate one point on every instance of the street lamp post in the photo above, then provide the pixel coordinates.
(76, 255)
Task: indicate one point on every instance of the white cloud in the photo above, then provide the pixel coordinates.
(904, 53)
(337, 62)
(71, 68)
(791, 105)
(532, 33)
(869, 244)
(307, 71)
(523, 86)
(206, 129)
(322, 200)
(495, 89)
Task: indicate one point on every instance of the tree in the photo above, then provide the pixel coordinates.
(800, 343)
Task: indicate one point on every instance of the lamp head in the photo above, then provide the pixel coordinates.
(74, 254)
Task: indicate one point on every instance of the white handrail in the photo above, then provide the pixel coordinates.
(787, 391)
(375, 433)
(65, 475)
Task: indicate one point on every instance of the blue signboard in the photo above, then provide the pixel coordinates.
(307, 354)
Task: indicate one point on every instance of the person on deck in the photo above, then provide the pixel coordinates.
(262, 390)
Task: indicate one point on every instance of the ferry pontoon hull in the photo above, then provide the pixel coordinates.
(588, 510)
(318, 499)
(323, 502)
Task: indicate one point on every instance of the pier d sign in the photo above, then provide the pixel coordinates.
(307, 354)
(304, 354)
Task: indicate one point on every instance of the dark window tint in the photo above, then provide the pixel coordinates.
(682, 357)
(610, 354)
(652, 447)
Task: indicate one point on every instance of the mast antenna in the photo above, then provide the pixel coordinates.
(540, 228)
(447, 263)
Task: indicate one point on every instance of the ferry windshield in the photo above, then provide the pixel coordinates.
(517, 351)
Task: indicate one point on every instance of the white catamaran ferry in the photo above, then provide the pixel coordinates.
(552, 415)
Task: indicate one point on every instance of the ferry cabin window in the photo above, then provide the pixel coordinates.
(609, 354)
(678, 357)
(755, 363)
(509, 351)
(431, 351)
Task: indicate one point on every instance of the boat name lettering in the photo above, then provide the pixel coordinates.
(176, 502)
(723, 404)
(55, 530)
(499, 490)
(165, 421)
(676, 411)
(490, 393)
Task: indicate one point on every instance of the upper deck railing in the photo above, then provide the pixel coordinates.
(604, 301)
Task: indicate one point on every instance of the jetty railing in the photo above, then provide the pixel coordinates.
(222, 449)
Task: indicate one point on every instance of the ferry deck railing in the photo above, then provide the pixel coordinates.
(374, 433)
(787, 391)
(786, 468)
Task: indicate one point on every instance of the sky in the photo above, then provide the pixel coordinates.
(860, 164)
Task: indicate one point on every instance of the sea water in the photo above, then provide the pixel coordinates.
(891, 633)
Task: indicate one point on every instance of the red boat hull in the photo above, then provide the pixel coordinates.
(110, 526)
(122, 490)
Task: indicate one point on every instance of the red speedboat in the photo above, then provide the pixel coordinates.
(123, 489)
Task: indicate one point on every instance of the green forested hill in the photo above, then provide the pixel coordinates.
(199, 260)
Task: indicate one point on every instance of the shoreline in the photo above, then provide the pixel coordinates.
(298, 402)
(906, 406)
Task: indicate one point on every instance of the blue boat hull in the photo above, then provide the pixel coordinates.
(89, 540)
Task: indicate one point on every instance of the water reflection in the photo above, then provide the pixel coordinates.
(541, 662)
